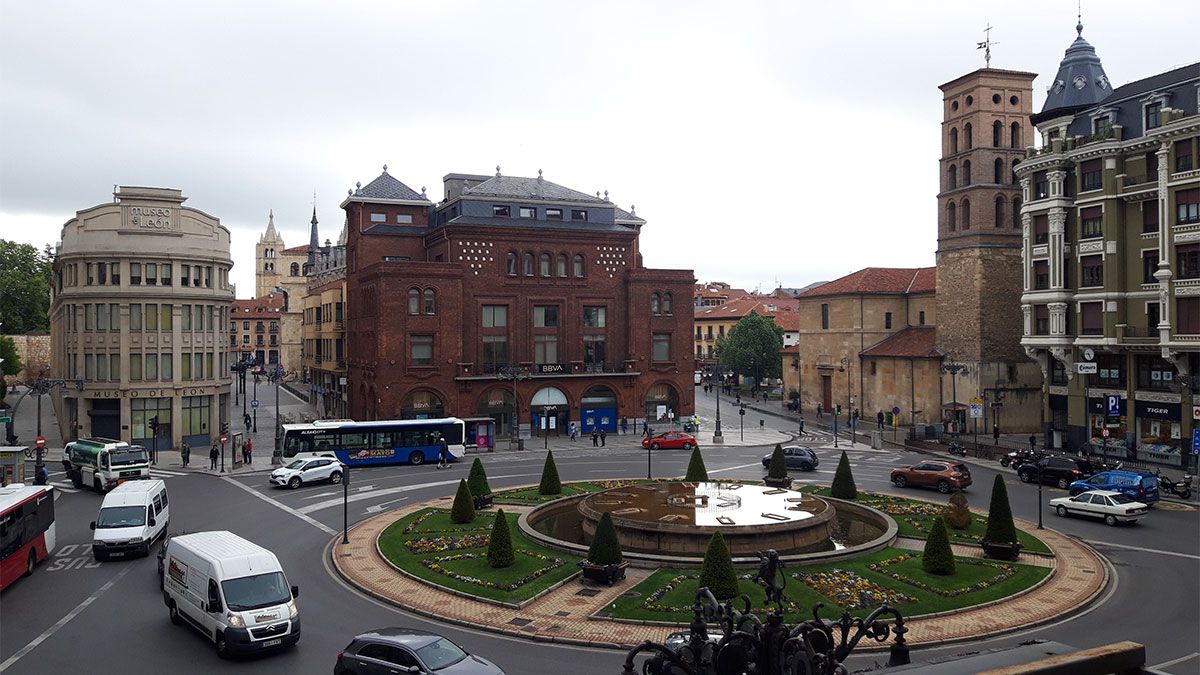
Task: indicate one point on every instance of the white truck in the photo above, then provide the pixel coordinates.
(104, 463)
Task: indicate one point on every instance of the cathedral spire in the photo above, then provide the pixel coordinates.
(314, 242)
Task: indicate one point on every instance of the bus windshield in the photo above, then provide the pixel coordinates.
(126, 455)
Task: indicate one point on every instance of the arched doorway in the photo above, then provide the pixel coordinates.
(421, 405)
(498, 403)
(662, 403)
(549, 411)
(598, 409)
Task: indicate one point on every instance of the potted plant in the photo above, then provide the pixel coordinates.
(777, 475)
(604, 562)
(1000, 539)
(477, 482)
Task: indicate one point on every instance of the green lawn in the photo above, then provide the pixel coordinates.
(530, 495)
(974, 582)
(441, 562)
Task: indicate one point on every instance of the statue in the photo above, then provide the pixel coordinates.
(770, 569)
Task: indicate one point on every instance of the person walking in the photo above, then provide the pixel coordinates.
(820, 411)
(625, 425)
(212, 457)
(603, 437)
(573, 430)
(246, 421)
(443, 454)
(739, 399)
(1032, 443)
(595, 438)
(879, 419)
(185, 453)
(802, 426)
(249, 452)
(995, 434)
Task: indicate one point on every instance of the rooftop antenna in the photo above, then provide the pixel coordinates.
(1079, 18)
(986, 46)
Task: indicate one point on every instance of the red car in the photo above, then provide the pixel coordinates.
(670, 439)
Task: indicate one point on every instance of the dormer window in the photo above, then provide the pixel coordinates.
(553, 214)
(527, 212)
(499, 211)
(579, 215)
(378, 217)
(1154, 115)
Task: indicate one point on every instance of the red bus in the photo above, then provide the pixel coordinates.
(26, 529)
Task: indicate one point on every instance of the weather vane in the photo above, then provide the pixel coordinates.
(986, 46)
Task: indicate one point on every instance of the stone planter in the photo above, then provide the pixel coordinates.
(1001, 550)
(482, 501)
(605, 574)
(785, 483)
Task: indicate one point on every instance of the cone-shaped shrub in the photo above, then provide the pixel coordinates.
(938, 558)
(717, 571)
(605, 549)
(696, 472)
(500, 548)
(550, 484)
(1000, 527)
(957, 514)
(777, 468)
(843, 480)
(463, 510)
(477, 480)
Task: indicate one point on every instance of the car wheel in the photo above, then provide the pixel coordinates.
(1073, 492)
(335, 477)
(1110, 520)
(30, 563)
(222, 646)
(76, 481)
(98, 556)
(1061, 511)
(173, 613)
(417, 458)
(687, 446)
(1025, 476)
(806, 467)
(899, 481)
(294, 482)
(1063, 483)
(96, 485)
(943, 487)
(654, 446)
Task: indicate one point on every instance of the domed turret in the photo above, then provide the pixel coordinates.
(1080, 81)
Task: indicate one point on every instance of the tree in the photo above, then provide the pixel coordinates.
(752, 347)
(477, 480)
(778, 467)
(1000, 526)
(696, 473)
(463, 510)
(957, 513)
(843, 480)
(550, 484)
(500, 548)
(717, 571)
(25, 287)
(605, 548)
(11, 364)
(938, 557)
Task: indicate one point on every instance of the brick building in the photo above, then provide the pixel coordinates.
(254, 329)
(324, 347)
(510, 273)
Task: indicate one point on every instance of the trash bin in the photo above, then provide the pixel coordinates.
(887, 419)
(877, 439)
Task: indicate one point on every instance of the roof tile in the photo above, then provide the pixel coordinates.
(919, 342)
(879, 281)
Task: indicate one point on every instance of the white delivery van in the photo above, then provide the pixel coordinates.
(132, 516)
(232, 590)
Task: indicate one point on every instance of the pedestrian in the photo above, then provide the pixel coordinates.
(246, 420)
(624, 425)
(443, 454)
(595, 438)
(995, 434)
(1032, 443)
(696, 423)
(879, 419)
(212, 457)
(820, 411)
(764, 397)
(249, 452)
(739, 399)
(603, 437)
(801, 425)
(573, 430)
(185, 453)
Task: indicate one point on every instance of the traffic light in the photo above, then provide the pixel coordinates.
(154, 424)
(224, 428)
(839, 409)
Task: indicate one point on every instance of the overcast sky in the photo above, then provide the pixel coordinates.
(764, 143)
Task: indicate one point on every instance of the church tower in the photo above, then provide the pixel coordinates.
(267, 257)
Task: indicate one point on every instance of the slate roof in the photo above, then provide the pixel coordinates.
(879, 281)
(538, 224)
(387, 187)
(1080, 81)
(1155, 82)
(917, 342)
(623, 216)
(518, 187)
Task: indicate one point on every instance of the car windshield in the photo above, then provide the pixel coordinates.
(121, 516)
(260, 590)
(298, 464)
(128, 455)
(1121, 499)
(439, 654)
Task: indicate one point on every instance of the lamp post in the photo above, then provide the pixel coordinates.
(742, 419)
(547, 413)
(346, 504)
(954, 369)
(1039, 467)
(720, 371)
(42, 385)
(514, 373)
(849, 399)
(255, 421)
(278, 375)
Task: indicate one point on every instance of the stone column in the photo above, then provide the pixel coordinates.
(1165, 247)
(1058, 226)
(1027, 255)
(1058, 318)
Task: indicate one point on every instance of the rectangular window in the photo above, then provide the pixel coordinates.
(164, 318)
(1149, 266)
(526, 212)
(499, 211)
(245, 325)
(825, 316)
(135, 366)
(378, 217)
(135, 317)
(101, 274)
(185, 274)
(165, 273)
(593, 317)
(1153, 116)
(196, 276)
(102, 366)
(422, 350)
(151, 274)
(887, 320)
(1091, 223)
(545, 316)
(545, 348)
(1187, 260)
(185, 366)
(208, 365)
(579, 215)
(661, 347)
(208, 276)
(151, 317)
(1041, 185)
(1041, 274)
(1188, 316)
(150, 366)
(114, 273)
(1154, 373)
(1041, 320)
(595, 348)
(114, 367)
(89, 317)
(403, 219)
(1091, 318)
(91, 277)
(101, 316)
(1091, 174)
(709, 333)
(1183, 155)
(921, 318)
(185, 318)
(495, 352)
(1091, 269)
(721, 331)
(89, 367)
(1041, 229)
(1152, 319)
(1149, 216)
(553, 214)
(166, 367)
(114, 317)
(1187, 206)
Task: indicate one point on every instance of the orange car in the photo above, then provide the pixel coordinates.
(945, 476)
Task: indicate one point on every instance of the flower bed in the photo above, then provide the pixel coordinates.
(440, 544)
(438, 520)
(653, 602)
(1004, 571)
(444, 565)
(850, 591)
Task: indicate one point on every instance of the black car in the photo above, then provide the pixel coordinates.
(1057, 470)
(796, 457)
(403, 650)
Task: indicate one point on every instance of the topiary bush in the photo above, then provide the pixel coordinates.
(550, 484)
(717, 572)
(778, 467)
(477, 480)
(843, 480)
(957, 513)
(500, 548)
(696, 472)
(605, 548)
(463, 510)
(1000, 527)
(938, 557)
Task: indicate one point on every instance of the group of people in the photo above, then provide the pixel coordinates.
(214, 453)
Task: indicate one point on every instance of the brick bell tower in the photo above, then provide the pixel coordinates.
(985, 129)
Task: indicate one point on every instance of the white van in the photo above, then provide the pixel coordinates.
(232, 590)
(131, 518)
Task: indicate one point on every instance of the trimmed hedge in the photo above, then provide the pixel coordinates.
(500, 547)
(843, 486)
(477, 480)
(696, 472)
(938, 557)
(777, 467)
(605, 548)
(957, 513)
(463, 510)
(550, 484)
(1000, 526)
(717, 572)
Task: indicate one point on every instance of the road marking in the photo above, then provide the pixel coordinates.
(1142, 548)
(364, 488)
(734, 468)
(323, 494)
(65, 487)
(376, 508)
(63, 621)
(308, 519)
(165, 472)
(330, 503)
(1168, 664)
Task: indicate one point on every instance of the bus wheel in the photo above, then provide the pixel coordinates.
(417, 458)
(96, 485)
(29, 564)
(76, 480)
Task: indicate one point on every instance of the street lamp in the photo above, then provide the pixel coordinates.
(38, 387)
(514, 373)
(742, 418)
(720, 371)
(1039, 467)
(954, 369)
(849, 399)
(278, 375)
(547, 413)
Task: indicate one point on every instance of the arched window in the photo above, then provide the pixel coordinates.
(666, 303)
(544, 264)
(430, 306)
(654, 306)
(1015, 134)
(414, 301)
(997, 134)
(1016, 213)
(967, 140)
(295, 269)
(954, 140)
(528, 259)
(998, 171)
(953, 176)
(999, 211)
(952, 216)
(966, 173)
(562, 265)
(966, 214)
(1015, 180)
(511, 264)
(578, 271)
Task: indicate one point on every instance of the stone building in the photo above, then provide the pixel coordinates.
(254, 329)
(324, 345)
(715, 321)
(533, 276)
(1111, 258)
(140, 311)
(278, 269)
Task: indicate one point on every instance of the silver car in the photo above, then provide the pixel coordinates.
(303, 471)
(402, 650)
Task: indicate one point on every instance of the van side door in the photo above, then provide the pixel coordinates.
(214, 608)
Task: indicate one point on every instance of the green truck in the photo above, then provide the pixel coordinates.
(104, 463)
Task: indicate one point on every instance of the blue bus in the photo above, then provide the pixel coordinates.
(374, 443)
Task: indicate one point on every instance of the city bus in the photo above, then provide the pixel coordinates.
(26, 529)
(374, 443)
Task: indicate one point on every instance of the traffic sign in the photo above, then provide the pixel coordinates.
(1112, 403)
(742, 411)
(1104, 432)
(5, 419)
(40, 442)
(1196, 441)
(224, 439)
(976, 405)
(254, 403)
(895, 410)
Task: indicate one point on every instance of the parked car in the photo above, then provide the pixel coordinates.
(1112, 506)
(1138, 485)
(1056, 470)
(670, 439)
(399, 650)
(796, 457)
(945, 476)
(303, 471)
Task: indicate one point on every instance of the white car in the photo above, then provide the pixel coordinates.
(1113, 507)
(304, 471)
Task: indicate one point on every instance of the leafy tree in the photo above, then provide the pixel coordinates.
(605, 548)
(778, 467)
(550, 484)
(717, 571)
(843, 480)
(938, 557)
(500, 548)
(957, 513)
(24, 287)
(752, 347)
(11, 364)
(463, 510)
(696, 472)
(477, 480)
(1000, 526)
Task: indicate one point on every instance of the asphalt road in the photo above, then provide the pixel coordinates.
(110, 616)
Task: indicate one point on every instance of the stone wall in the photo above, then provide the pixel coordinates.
(34, 352)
